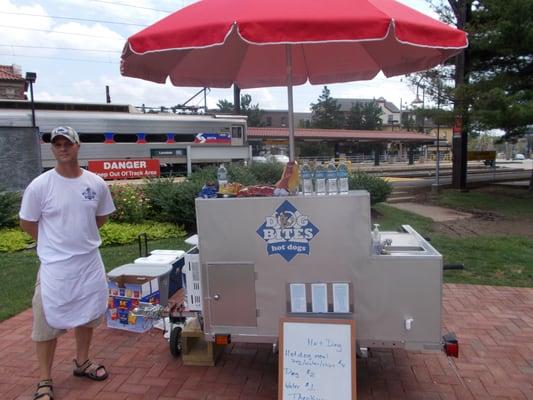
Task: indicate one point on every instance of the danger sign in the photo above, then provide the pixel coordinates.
(124, 169)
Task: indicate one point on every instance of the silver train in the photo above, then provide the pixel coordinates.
(175, 140)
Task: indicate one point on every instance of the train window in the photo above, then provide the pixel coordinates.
(184, 137)
(151, 138)
(236, 132)
(92, 138)
(125, 138)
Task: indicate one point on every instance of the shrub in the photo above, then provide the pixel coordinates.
(242, 174)
(115, 233)
(174, 202)
(9, 206)
(13, 240)
(378, 188)
(267, 173)
(132, 204)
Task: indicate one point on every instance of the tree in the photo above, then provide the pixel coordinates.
(354, 120)
(372, 116)
(364, 116)
(253, 112)
(501, 86)
(497, 85)
(325, 113)
(225, 106)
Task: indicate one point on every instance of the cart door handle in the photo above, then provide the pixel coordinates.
(216, 296)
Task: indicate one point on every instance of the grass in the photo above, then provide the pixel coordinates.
(390, 218)
(488, 260)
(508, 202)
(19, 270)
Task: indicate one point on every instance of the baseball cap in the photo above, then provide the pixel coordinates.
(67, 132)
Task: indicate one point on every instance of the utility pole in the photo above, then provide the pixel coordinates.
(236, 99)
(462, 11)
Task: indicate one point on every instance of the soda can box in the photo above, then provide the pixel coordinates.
(125, 294)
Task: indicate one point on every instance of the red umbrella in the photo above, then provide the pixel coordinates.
(257, 43)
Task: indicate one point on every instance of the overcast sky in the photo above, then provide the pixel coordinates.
(77, 55)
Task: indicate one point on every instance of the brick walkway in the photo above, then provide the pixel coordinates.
(494, 326)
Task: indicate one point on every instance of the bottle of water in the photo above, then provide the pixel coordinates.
(320, 179)
(222, 177)
(306, 179)
(342, 175)
(331, 180)
(376, 240)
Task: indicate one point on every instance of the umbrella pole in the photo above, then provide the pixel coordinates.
(290, 104)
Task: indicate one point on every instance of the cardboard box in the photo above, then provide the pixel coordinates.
(126, 292)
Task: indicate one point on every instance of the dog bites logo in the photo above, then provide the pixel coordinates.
(287, 232)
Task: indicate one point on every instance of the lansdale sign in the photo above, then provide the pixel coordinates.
(124, 169)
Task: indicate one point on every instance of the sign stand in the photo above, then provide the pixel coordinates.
(317, 359)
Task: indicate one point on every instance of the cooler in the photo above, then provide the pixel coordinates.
(173, 258)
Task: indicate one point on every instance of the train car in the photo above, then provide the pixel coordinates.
(174, 139)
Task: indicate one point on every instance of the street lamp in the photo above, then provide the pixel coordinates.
(30, 78)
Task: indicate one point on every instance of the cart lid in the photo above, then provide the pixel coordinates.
(155, 270)
(175, 253)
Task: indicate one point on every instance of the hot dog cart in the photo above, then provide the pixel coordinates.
(264, 258)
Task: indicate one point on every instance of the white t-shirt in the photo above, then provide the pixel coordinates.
(66, 209)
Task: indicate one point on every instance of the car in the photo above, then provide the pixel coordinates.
(519, 156)
(259, 159)
(281, 158)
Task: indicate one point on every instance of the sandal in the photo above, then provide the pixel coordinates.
(46, 383)
(90, 370)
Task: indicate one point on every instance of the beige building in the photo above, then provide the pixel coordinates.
(390, 116)
(279, 118)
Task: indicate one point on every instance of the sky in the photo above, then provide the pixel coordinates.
(74, 46)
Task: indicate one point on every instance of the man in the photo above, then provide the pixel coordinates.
(62, 209)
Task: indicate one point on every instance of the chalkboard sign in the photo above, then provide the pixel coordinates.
(317, 359)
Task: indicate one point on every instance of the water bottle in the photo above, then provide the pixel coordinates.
(222, 177)
(342, 176)
(331, 180)
(320, 179)
(376, 240)
(306, 181)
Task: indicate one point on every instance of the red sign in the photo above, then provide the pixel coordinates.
(124, 169)
(457, 126)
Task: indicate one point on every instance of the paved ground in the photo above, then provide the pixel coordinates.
(494, 326)
(438, 214)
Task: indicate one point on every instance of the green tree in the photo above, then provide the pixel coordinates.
(364, 116)
(498, 88)
(501, 78)
(325, 113)
(354, 120)
(372, 116)
(225, 106)
(252, 111)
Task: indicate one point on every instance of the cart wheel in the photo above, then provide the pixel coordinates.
(175, 341)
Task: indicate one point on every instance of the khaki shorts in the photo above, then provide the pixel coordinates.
(41, 331)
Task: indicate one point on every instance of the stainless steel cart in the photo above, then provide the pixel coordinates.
(265, 258)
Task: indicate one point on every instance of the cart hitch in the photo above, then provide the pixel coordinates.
(450, 345)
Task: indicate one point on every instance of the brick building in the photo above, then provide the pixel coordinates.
(12, 84)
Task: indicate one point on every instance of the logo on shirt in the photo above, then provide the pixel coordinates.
(89, 194)
(287, 232)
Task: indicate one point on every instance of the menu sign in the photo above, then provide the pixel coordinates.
(313, 354)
